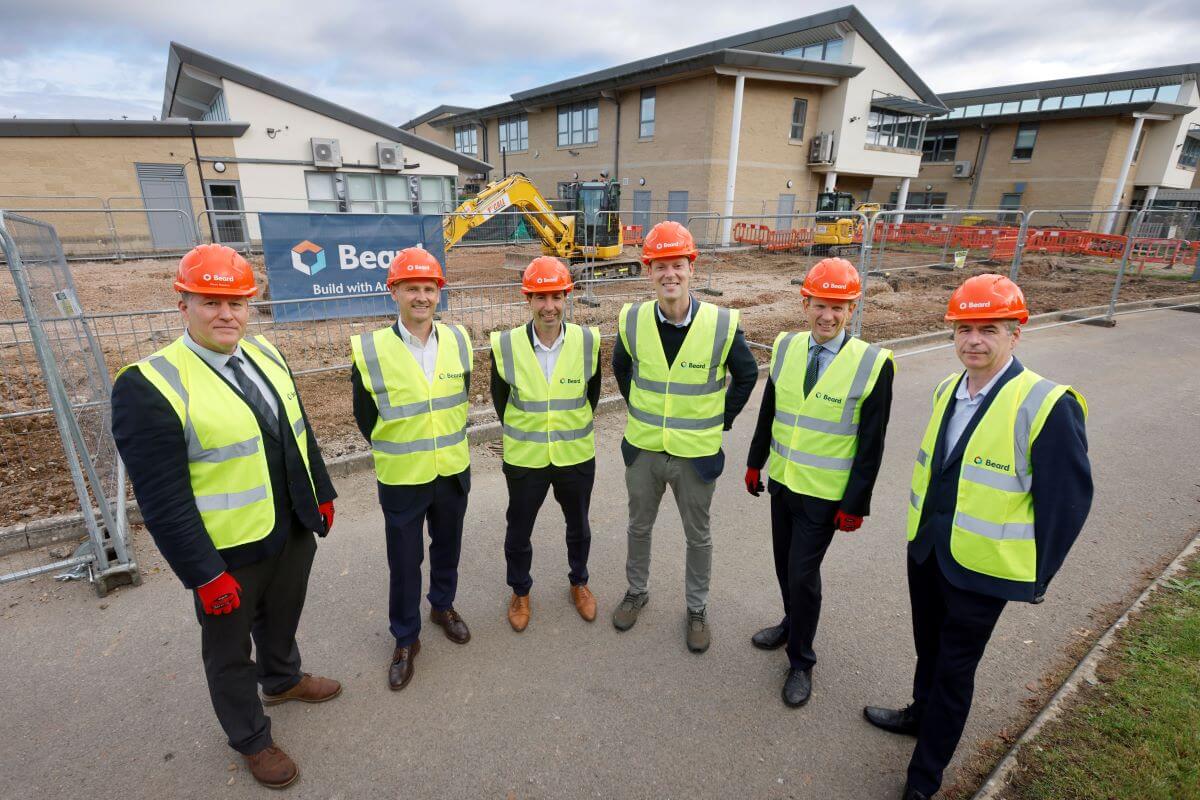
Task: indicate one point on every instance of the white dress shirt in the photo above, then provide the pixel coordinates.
(425, 354)
(687, 320)
(220, 362)
(965, 407)
(548, 356)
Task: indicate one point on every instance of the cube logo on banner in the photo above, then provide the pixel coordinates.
(308, 258)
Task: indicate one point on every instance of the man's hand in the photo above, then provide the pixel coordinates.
(326, 510)
(754, 484)
(221, 595)
(847, 522)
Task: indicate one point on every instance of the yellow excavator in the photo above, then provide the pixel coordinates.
(588, 236)
(834, 233)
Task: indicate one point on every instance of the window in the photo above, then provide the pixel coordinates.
(991, 109)
(217, 111)
(1167, 94)
(1072, 101)
(1189, 155)
(799, 114)
(940, 147)
(830, 50)
(1116, 98)
(646, 114)
(1094, 99)
(371, 193)
(1010, 107)
(1052, 104)
(1010, 200)
(1026, 136)
(957, 113)
(1142, 95)
(465, 140)
(435, 194)
(326, 191)
(889, 129)
(579, 123)
(514, 133)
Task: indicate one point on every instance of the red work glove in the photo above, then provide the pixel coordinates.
(326, 510)
(847, 522)
(220, 595)
(754, 483)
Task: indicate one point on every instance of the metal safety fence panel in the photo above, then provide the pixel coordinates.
(74, 383)
(117, 234)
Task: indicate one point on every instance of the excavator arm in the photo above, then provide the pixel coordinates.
(515, 191)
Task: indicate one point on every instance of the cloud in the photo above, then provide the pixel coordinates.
(70, 58)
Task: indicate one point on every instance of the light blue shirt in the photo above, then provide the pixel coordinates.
(965, 407)
(220, 362)
(827, 352)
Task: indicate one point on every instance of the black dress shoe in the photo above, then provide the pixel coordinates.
(771, 638)
(798, 687)
(456, 630)
(401, 670)
(912, 794)
(904, 721)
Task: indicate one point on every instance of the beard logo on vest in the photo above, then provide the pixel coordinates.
(449, 376)
(693, 365)
(987, 462)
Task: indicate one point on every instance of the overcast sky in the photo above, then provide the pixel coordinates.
(393, 61)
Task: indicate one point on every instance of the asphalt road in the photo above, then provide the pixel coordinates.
(106, 698)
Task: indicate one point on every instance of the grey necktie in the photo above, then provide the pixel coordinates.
(813, 371)
(253, 396)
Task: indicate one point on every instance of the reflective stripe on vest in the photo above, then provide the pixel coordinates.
(226, 463)
(814, 438)
(421, 431)
(993, 529)
(547, 421)
(677, 408)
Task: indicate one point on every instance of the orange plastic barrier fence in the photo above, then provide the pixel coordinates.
(632, 234)
(749, 233)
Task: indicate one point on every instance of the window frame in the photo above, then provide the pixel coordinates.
(505, 132)
(466, 136)
(1009, 207)
(578, 117)
(939, 151)
(648, 93)
(798, 104)
(1189, 154)
(895, 131)
(1020, 153)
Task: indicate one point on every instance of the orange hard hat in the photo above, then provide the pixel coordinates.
(546, 274)
(668, 240)
(215, 269)
(987, 296)
(832, 279)
(415, 264)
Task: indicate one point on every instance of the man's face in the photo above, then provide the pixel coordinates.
(984, 345)
(417, 300)
(827, 318)
(214, 321)
(671, 276)
(547, 309)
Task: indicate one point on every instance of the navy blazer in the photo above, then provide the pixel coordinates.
(1061, 488)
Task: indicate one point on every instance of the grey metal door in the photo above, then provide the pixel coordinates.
(165, 190)
(677, 206)
(641, 210)
(784, 211)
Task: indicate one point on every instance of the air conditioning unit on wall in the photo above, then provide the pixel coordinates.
(391, 156)
(326, 153)
(820, 149)
(962, 169)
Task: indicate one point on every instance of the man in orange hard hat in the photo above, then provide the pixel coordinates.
(671, 361)
(1000, 490)
(232, 486)
(823, 420)
(412, 384)
(545, 386)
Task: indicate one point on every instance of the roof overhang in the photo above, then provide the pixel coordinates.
(118, 128)
(906, 105)
(1131, 79)
(1151, 109)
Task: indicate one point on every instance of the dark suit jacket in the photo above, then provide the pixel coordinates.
(1062, 496)
(151, 442)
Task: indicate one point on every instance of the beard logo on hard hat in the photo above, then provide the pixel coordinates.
(308, 258)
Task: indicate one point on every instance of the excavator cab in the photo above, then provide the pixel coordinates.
(597, 224)
(834, 202)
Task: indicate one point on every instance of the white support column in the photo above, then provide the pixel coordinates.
(830, 181)
(735, 131)
(902, 197)
(1151, 193)
(1119, 189)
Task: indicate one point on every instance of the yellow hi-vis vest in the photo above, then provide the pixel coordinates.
(814, 439)
(547, 423)
(226, 463)
(677, 408)
(421, 431)
(992, 532)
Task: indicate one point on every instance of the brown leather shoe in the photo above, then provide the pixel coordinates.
(518, 612)
(272, 768)
(401, 670)
(309, 690)
(585, 601)
(456, 630)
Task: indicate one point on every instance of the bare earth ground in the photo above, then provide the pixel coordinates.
(910, 299)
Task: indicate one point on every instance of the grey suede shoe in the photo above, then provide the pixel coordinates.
(698, 636)
(626, 613)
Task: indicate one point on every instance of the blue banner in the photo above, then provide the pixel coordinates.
(334, 262)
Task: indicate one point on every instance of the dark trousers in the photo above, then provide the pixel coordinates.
(443, 503)
(951, 627)
(527, 490)
(801, 530)
(272, 596)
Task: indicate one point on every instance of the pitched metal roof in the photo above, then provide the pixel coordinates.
(120, 127)
(1130, 79)
(435, 112)
(179, 56)
(1116, 110)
